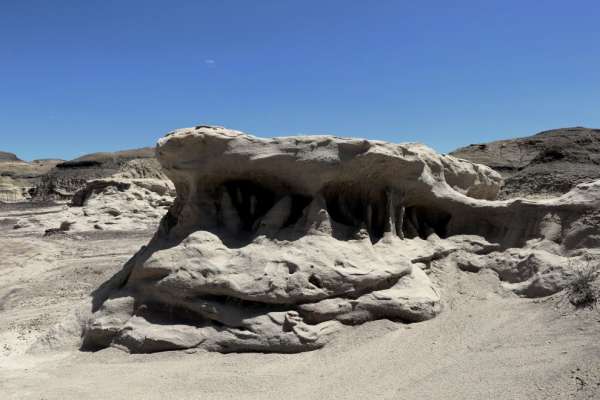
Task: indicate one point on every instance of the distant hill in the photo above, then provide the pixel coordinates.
(69, 176)
(547, 163)
(114, 157)
(59, 179)
(5, 156)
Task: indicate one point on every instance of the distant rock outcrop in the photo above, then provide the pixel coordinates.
(5, 156)
(60, 180)
(68, 177)
(548, 163)
(19, 178)
(10, 191)
(273, 245)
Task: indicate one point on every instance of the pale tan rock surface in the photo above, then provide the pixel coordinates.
(114, 204)
(58, 180)
(323, 230)
(18, 179)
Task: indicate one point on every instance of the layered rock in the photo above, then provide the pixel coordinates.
(42, 180)
(18, 178)
(6, 156)
(549, 163)
(274, 244)
(66, 178)
(11, 191)
(112, 204)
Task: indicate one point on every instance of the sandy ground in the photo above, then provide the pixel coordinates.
(487, 344)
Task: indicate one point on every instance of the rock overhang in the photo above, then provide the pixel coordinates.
(272, 243)
(307, 163)
(360, 182)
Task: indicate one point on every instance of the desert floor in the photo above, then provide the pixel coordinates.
(487, 343)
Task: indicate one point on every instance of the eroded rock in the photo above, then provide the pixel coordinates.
(275, 244)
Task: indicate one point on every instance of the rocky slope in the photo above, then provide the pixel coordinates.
(67, 177)
(5, 156)
(548, 163)
(18, 179)
(59, 180)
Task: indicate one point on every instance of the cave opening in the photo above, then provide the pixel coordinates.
(299, 203)
(383, 211)
(250, 200)
(355, 208)
(422, 221)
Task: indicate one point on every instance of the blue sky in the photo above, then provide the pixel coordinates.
(86, 75)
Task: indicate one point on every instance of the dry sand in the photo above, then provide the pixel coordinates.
(486, 344)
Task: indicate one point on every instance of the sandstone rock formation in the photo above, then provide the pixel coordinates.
(18, 178)
(59, 180)
(112, 204)
(274, 244)
(546, 164)
(10, 191)
(66, 178)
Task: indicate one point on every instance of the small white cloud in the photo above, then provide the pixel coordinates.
(209, 61)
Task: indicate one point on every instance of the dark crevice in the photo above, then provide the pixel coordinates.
(244, 304)
(422, 221)
(166, 314)
(250, 200)
(240, 205)
(78, 164)
(169, 221)
(315, 281)
(299, 203)
(381, 211)
(291, 267)
(352, 206)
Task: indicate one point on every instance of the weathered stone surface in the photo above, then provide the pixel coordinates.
(50, 179)
(115, 204)
(140, 336)
(68, 177)
(265, 271)
(18, 179)
(528, 271)
(11, 191)
(549, 163)
(412, 298)
(109, 321)
(272, 244)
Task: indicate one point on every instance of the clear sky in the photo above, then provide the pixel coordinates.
(79, 76)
